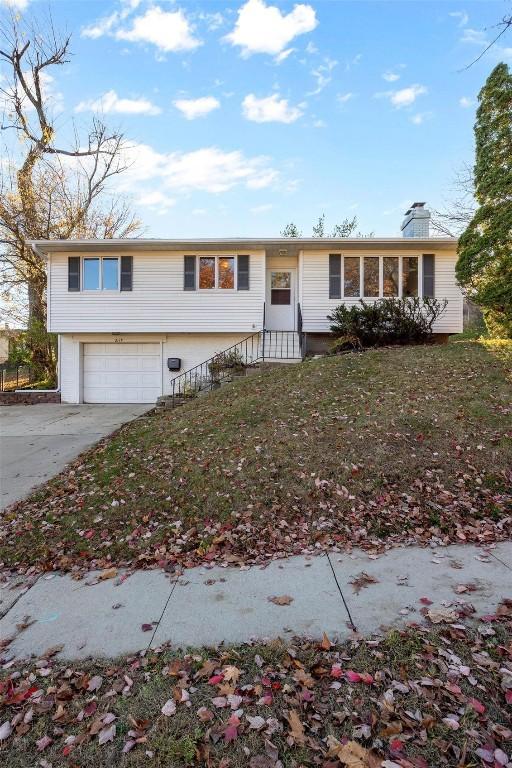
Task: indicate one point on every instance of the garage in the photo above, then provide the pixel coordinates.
(122, 373)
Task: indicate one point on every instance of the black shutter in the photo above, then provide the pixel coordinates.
(73, 273)
(334, 276)
(126, 273)
(189, 282)
(428, 274)
(243, 273)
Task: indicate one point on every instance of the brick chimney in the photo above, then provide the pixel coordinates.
(416, 221)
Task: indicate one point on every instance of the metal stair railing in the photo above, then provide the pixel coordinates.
(260, 346)
(210, 373)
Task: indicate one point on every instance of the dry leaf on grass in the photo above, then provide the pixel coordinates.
(296, 727)
(352, 754)
(169, 708)
(280, 599)
(363, 580)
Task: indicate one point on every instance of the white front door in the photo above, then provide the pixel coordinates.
(281, 302)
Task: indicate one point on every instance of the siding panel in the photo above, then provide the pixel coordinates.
(316, 304)
(157, 302)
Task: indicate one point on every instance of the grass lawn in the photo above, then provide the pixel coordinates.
(419, 698)
(407, 444)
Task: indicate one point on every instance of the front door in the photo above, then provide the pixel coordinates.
(281, 301)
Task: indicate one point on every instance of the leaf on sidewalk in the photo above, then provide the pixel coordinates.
(362, 581)
(280, 599)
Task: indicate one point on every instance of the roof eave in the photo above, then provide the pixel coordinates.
(43, 247)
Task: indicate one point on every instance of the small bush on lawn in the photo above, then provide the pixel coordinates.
(388, 321)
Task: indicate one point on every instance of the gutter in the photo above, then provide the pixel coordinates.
(35, 248)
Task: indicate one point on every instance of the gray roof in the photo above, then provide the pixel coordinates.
(237, 244)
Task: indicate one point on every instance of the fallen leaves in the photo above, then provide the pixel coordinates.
(108, 573)
(296, 732)
(362, 581)
(107, 734)
(280, 599)
(309, 480)
(352, 754)
(169, 708)
(430, 696)
(440, 615)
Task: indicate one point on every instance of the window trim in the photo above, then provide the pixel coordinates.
(100, 288)
(217, 256)
(380, 257)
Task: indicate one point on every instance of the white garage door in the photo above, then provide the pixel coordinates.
(122, 373)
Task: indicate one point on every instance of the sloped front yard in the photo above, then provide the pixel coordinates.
(391, 445)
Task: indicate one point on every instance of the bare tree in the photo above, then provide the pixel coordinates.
(504, 25)
(457, 212)
(51, 188)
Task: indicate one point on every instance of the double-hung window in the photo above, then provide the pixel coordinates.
(373, 277)
(100, 273)
(216, 272)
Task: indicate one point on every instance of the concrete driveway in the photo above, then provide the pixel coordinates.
(37, 441)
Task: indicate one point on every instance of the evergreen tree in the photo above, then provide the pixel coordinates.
(484, 267)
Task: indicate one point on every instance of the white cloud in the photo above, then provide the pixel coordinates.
(111, 103)
(390, 77)
(262, 28)
(319, 123)
(474, 36)
(311, 48)
(209, 169)
(213, 20)
(101, 27)
(420, 117)
(193, 108)
(18, 5)
(342, 98)
(283, 55)
(462, 16)
(353, 62)
(259, 209)
(167, 30)
(270, 109)
(466, 102)
(156, 201)
(105, 25)
(322, 75)
(405, 96)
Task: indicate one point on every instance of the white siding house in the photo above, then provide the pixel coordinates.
(123, 308)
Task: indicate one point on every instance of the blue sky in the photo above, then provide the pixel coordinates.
(244, 116)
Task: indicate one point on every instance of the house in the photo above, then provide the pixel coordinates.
(132, 315)
(7, 339)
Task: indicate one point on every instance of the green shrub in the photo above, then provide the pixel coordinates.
(227, 361)
(387, 321)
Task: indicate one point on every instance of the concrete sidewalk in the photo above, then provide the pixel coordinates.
(207, 606)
